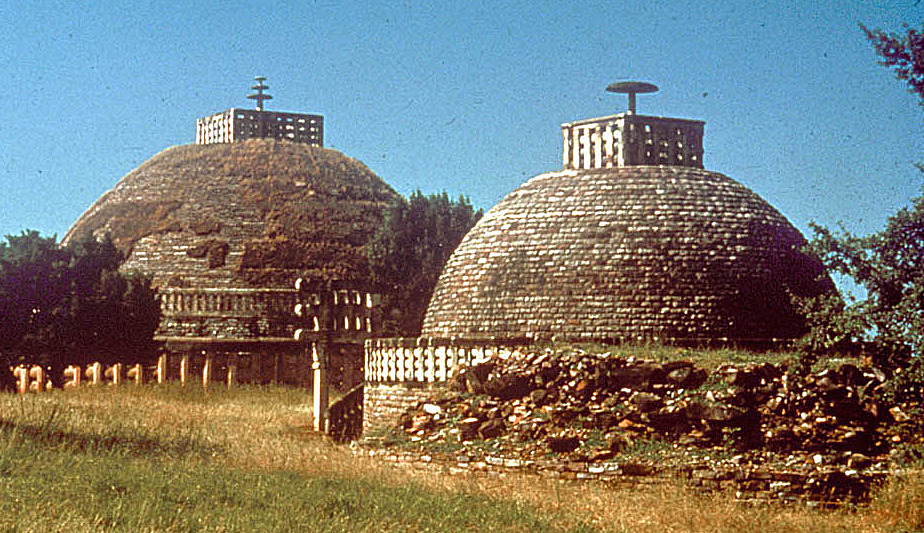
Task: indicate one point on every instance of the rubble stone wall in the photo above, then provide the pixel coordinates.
(384, 403)
(400, 372)
(763, 485)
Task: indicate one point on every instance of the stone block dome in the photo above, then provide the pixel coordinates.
(255, 213)
(225, 229)
(627, 253)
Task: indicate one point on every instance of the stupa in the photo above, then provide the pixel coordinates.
(633, 240)
(225, 226)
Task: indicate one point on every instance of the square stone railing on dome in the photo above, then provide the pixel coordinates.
(352, 310)
(629, 140)
(429, 360)
(238, 124)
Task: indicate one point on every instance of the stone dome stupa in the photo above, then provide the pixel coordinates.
(632, 240)
(225, 226)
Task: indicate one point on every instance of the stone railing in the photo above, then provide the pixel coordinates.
(203, 368)
(238, 124)
(428, 360)
(226, 301)
(626, 139)
(351, 310)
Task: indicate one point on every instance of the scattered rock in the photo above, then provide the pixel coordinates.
(594, 407)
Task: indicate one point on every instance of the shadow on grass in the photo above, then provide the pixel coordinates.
(114, 440)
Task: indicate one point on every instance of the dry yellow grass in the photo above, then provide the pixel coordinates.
(265, 429)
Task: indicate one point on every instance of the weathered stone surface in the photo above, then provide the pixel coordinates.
(255, 213)
(250, 215)
(627, 253)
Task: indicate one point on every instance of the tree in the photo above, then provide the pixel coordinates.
(408, 252)
(889, 264)
(71, 305)
(903, 53)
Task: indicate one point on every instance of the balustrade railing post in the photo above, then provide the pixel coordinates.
(114, 373)
(22, 379)
(72, 375)
(94, 373)
(136, 374)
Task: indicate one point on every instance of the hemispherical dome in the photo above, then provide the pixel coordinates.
(634, 252)
(254, 213)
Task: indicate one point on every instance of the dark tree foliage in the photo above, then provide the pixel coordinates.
(904, 53)
(889, 264)
(408, 252)
(61, 306)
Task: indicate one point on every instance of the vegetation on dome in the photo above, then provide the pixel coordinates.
(274, 206)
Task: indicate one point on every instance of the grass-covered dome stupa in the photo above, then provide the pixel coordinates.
(225, 226)
(632, 240)
(250, 213)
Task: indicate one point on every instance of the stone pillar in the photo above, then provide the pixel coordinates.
(206, 372)
(319, 386)
(72, 375)
(21, 374)
(566, 147)
(162, 369)
(136, 373)
(596, 142)
(184, 370)
(94, 373)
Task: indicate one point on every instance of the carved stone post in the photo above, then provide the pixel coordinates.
(320, 386)
(94, 373)
(161, 369)
(21, 374)
(72, 375)
(136, 374)
(114, 373)
(184, 370)
(207, 372)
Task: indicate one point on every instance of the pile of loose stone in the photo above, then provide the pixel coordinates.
(577, 406)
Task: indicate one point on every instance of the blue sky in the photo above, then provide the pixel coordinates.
(465, 97)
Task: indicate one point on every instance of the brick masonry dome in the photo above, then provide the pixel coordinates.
(253, 213)
(627, 253)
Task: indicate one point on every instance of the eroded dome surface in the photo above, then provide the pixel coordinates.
(637, 252)
(255, 213)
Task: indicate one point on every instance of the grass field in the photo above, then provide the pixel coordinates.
(172, 459)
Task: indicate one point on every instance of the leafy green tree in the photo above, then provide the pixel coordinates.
(71, 305)
(408, 252)
(888, 264)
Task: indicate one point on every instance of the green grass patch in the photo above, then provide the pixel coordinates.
(65, 490)
(175, 459)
